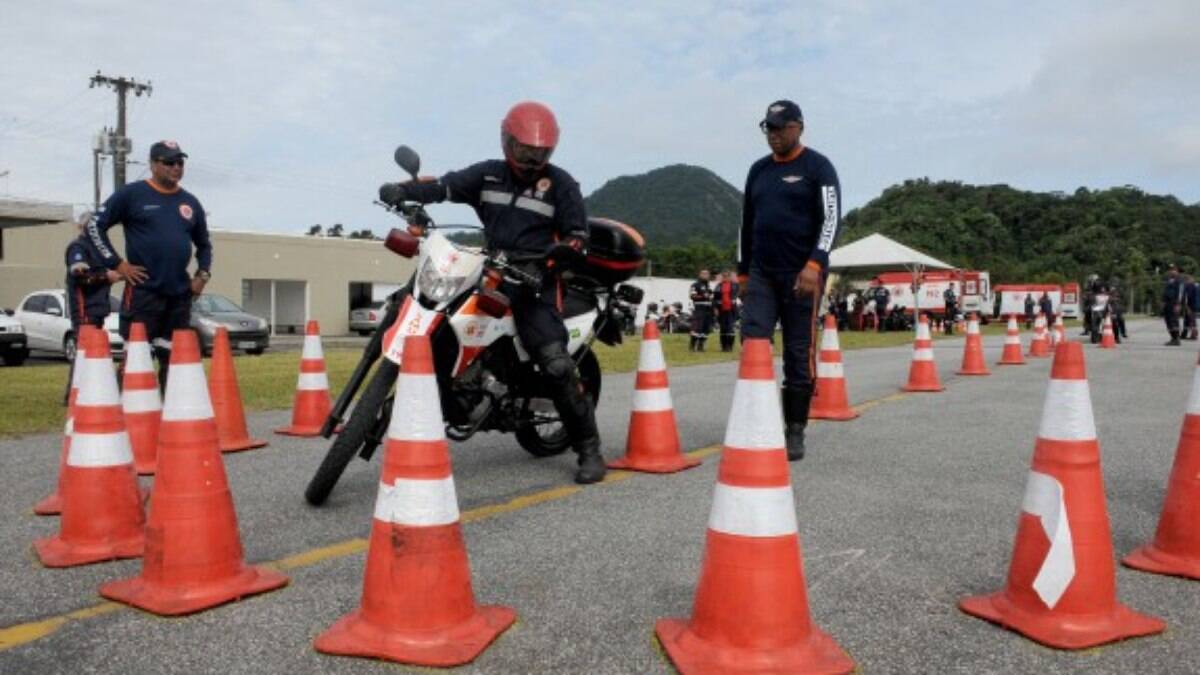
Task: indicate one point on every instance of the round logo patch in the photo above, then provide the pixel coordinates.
(185, 211)
(543, 185)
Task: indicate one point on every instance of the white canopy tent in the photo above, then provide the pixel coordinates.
(876, 253)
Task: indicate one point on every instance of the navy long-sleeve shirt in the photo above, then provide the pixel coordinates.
(160, 230)
(790, 214)
(87, 285)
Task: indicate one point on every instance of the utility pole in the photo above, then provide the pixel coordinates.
(121, 143)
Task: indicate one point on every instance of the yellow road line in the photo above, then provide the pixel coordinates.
(25, 633)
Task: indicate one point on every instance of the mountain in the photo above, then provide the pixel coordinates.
(673, 205)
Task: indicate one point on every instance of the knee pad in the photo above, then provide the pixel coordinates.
(556, 363)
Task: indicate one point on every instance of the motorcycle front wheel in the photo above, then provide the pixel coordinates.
(363, 421)
(550, 438)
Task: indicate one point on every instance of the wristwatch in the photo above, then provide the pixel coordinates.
(203, 275)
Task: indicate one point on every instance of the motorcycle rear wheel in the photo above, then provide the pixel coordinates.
(550, 439)
(362, 421)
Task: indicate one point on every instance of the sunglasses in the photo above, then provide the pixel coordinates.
(170, 162)
(768, 128)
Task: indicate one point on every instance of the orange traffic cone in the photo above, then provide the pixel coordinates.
(1059, 334)
(972, 363)
(830, 401)
(418, 606)
(232, 434)
(1061, 587)
(312, 404)
(52, 504)
(1176, 546)
(193, 555)
(1039, 346)
(653, 441)
(102, 516)
(140, 401)
(751, 608)
(1107, 339)
(922, 374)
(1012, 344)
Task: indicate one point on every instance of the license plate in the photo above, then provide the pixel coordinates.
(247, 345)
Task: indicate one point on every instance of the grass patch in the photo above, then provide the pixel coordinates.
(30, 396)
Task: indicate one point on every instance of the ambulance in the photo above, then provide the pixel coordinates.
(972, 287)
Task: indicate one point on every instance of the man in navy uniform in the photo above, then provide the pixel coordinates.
(882, 296)
(951, 301)
(790, 220)
(88, 285)
(701, 295)
(1172, 298)
(528, 205)
(162, 224)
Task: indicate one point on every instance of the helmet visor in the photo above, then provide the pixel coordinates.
(528, 156)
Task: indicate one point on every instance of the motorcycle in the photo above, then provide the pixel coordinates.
(486, 379)
(1099, 311)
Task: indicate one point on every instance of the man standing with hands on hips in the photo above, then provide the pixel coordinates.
(790, 221)
(162, 223)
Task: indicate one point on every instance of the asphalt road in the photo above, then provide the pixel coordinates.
(902, 512)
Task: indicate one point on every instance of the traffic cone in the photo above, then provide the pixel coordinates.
(972, 363)
(1059, 334)
(652, 444)
(1176, 546)
(1012, 344)
(140, 401)
(193, 555)
(751, 607)
(830, 401)
(1107, 339)
(232, 434)
(1061, 587)
(417, 606)
(1039, 346)
(52, 504)
(102, 516)
(312, 404)
(922, 374)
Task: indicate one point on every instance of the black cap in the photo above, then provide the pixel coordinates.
(781, 112)
(166, 150)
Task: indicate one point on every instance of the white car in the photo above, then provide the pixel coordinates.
(365, 320)
(13, 349)
(48, 325)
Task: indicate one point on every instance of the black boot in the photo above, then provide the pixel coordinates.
(591, 462)
(576, 410)
(795, 419)
(700, 343)
(1174, 342)
(692, 343)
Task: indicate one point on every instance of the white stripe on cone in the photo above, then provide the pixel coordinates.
(650, 357)
(313, 382)
(753, 512)
(922, 354)
(99, 450)
(417, 502)
(1067, 412)
(140, 401)
(923, 331)
(652, 400)
(1044, 499)
(755, 421)
(972, 327)
(829, 341)
(417, 411)
(1193, 407)
(187, 394)
(138, 358)
(98, 384)
(834, 370)
(312, 348)
(1012, 339)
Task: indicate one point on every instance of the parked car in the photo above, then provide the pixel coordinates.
(246, 331)
(48, 326)
(365, 320)
(13, 348)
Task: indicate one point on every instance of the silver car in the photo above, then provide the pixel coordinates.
(48, 325)
(247, 332)
(365, 320)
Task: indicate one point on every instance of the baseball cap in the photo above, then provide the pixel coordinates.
(781, 112)
(166, 150)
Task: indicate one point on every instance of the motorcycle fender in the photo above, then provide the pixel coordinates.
(476, 331)
(413, 319)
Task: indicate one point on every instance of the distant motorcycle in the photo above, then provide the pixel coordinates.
(1099, 311)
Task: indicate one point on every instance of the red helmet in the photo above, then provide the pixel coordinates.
(528, 135)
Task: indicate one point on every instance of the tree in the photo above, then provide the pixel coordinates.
(364, 233)
(314, 231)
(335, 231)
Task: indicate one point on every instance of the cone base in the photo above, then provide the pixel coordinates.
(668, 464)
(56, 552)
(1063, 631)
(1152, 559)
(186, 598)
(1011, 363)
(293, 430)
(835, 414)
(50, 506)
(691, 653)
(973, 372)
(919, 388)
(352, 635)
(240, 444)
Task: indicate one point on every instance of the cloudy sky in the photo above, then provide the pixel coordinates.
(290, 110)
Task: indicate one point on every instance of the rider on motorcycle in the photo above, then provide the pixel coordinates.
(528, 205)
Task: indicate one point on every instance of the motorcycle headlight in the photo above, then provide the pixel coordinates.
(435, 286)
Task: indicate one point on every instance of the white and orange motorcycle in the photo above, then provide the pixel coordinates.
(486, 379)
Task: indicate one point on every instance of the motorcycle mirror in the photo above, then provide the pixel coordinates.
(402, 243)
(408, 159)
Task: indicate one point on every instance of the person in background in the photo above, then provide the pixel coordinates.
(1172, 298)
(1047, 307)
(882, 296)
(88, 286)
(1030, 310)
(701, 295)
(1191, 301)
(726, 305)
(951, 300)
